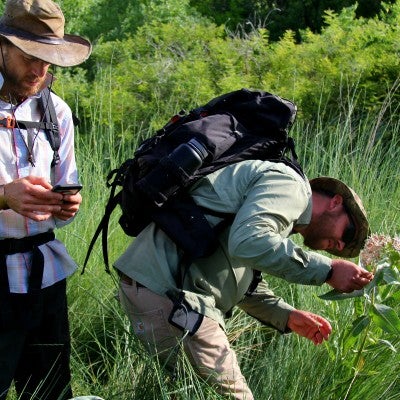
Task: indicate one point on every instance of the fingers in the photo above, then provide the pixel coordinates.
(65, 214)
(319, 329)
(348, 276)
(38, 212)
(36, 180)
(32, 207)
(62, 215)
(312, 326)
(33, 198)
(69, 207)
(37, 216)
(22, 193)
(317, 338)
(359, 281)
(364, 276)
(73, 198)
(325, 328)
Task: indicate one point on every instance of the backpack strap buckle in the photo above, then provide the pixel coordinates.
(7, 122)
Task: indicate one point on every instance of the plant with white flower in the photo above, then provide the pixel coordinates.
(377, 248)
(376, 307)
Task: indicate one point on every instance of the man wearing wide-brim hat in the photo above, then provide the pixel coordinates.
(36, 153)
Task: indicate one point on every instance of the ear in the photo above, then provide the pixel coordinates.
(335, 202)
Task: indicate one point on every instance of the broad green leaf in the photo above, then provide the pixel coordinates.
(357, 326)
(386, 318)
(394, 297)
(336, 295)
(359, 306)
(390, 291)
(390, 276)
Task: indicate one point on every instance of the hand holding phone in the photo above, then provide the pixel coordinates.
(70, 205)
(69, 188)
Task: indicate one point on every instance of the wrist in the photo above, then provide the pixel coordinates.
(3, 201)
(329, 275)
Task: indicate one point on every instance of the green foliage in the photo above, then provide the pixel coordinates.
(156, 65)
(109, 20)
(376, 322)
(106, 19)
(227, 12)
(350, 53)
(278, 16)
(177, 61)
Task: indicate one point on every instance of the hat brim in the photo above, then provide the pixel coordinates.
(72, 50)
(355, 208)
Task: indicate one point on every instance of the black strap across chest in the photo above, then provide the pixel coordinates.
(48, 123)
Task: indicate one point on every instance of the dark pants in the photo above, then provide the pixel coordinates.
(35, 344)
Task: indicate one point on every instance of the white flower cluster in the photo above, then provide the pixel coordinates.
(375, 246)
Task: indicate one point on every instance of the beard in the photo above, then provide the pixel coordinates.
(317, 231)
(21, 87)
(19, 83)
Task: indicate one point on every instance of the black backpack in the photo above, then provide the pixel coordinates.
(240, 125)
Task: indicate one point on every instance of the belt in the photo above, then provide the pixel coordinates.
(129, 281)
(23, 245)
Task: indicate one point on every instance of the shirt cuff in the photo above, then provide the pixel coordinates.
(318, 268)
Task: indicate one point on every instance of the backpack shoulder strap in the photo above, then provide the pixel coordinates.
(49, 123)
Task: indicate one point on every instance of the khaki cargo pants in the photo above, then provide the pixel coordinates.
(208, 349)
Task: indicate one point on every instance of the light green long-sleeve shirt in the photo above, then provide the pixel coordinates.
(269, 199)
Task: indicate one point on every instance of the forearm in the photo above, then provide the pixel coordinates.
(267, 308)
(282, 258)
(273, 311)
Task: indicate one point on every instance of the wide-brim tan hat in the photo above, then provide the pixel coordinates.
(354, 207)
(37, 28)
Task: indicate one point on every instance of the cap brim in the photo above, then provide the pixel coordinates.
(73, 50)
(355, 208)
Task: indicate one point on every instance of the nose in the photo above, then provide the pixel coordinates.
(39, 68)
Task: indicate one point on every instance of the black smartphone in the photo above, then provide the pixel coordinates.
(68, 188)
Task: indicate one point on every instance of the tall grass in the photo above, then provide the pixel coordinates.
(108, 361)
